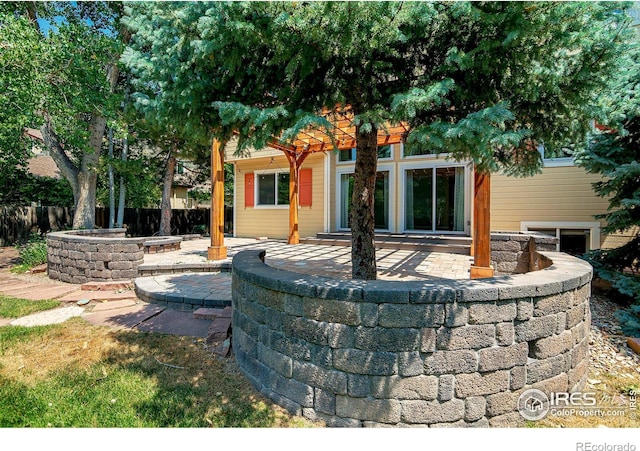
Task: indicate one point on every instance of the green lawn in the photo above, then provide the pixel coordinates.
(78, 375)
(11, 307)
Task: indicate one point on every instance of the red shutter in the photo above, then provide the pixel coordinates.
(248, 190)
(305, 187)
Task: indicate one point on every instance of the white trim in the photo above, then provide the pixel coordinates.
(468, 186)
(593, 226)
(385, 167)
(327, 195)
(557, 162)
(346, 163)
(235, 204)
(426, 156)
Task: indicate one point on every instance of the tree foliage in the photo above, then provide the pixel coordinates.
(483, 81)
(614, 153)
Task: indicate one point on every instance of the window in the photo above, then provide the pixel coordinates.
(347, 155)
(273, 188)
(418, 149)
(380, 201)
(575, 238)
(552, 158)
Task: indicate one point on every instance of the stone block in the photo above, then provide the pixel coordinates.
(383, 339)
(551, 346)
(476, 384)
(358, 386)
(501, 358)
(446, 385)
(428, 340)
(410, 363)
(535, 328)
(508, 420)
(305, 329)
(396, 387)
(451, 362)
(579, 332)
(518, 377)
(490, 313)
(278, 362)
(505, 334)
(119, 265)
(427, 412)
(316, 376)
(525, 309)
(369, 314)
(541, 370)
(557, 384)
(576, 314)
(367, 409)
(580, 353)
(294, 390)
(330, 419)
(575, 375)
(332, 311)
(549, 305)
(561, 322)
(403, 315)
(324, 401)
(455, 314)
(501, 403)
(474, 408)
(466, 337)
(365, 362)
(341, 336)
(293, 347)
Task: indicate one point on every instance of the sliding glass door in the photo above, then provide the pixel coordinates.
(435, 199)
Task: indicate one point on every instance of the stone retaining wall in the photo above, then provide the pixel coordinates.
(79, 256)
(515, 253)
(438, 353)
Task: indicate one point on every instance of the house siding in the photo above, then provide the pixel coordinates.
(558, 194)
(273, 222)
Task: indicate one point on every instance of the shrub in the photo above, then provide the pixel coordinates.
(34, 252)
(629, 320)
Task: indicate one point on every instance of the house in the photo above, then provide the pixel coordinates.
(416, 194)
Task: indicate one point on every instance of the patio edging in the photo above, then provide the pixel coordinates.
(436, 353)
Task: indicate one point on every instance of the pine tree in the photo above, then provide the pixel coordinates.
(483, 81)
(614, 153)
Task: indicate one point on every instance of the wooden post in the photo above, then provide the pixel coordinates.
(295, 161)
(481, 227)
(217, 250)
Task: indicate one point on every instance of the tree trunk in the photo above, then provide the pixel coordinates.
(123, 187)
(363, 253)
(165, 206)
(85, 214)
(112, 193)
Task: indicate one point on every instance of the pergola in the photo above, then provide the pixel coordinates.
(341, 135)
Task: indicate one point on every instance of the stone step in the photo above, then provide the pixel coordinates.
(425, 246)
(113, 305)
(207, 313)
(98, 296)
(107, 286)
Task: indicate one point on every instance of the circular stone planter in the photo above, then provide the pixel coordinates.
(80, 256)
(420, 353)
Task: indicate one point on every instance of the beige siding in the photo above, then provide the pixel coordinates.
(274, 222)
(558, 194)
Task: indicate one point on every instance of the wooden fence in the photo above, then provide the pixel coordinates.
(17, 223)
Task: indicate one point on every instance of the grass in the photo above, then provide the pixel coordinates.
(78, 375)
(11, 307)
